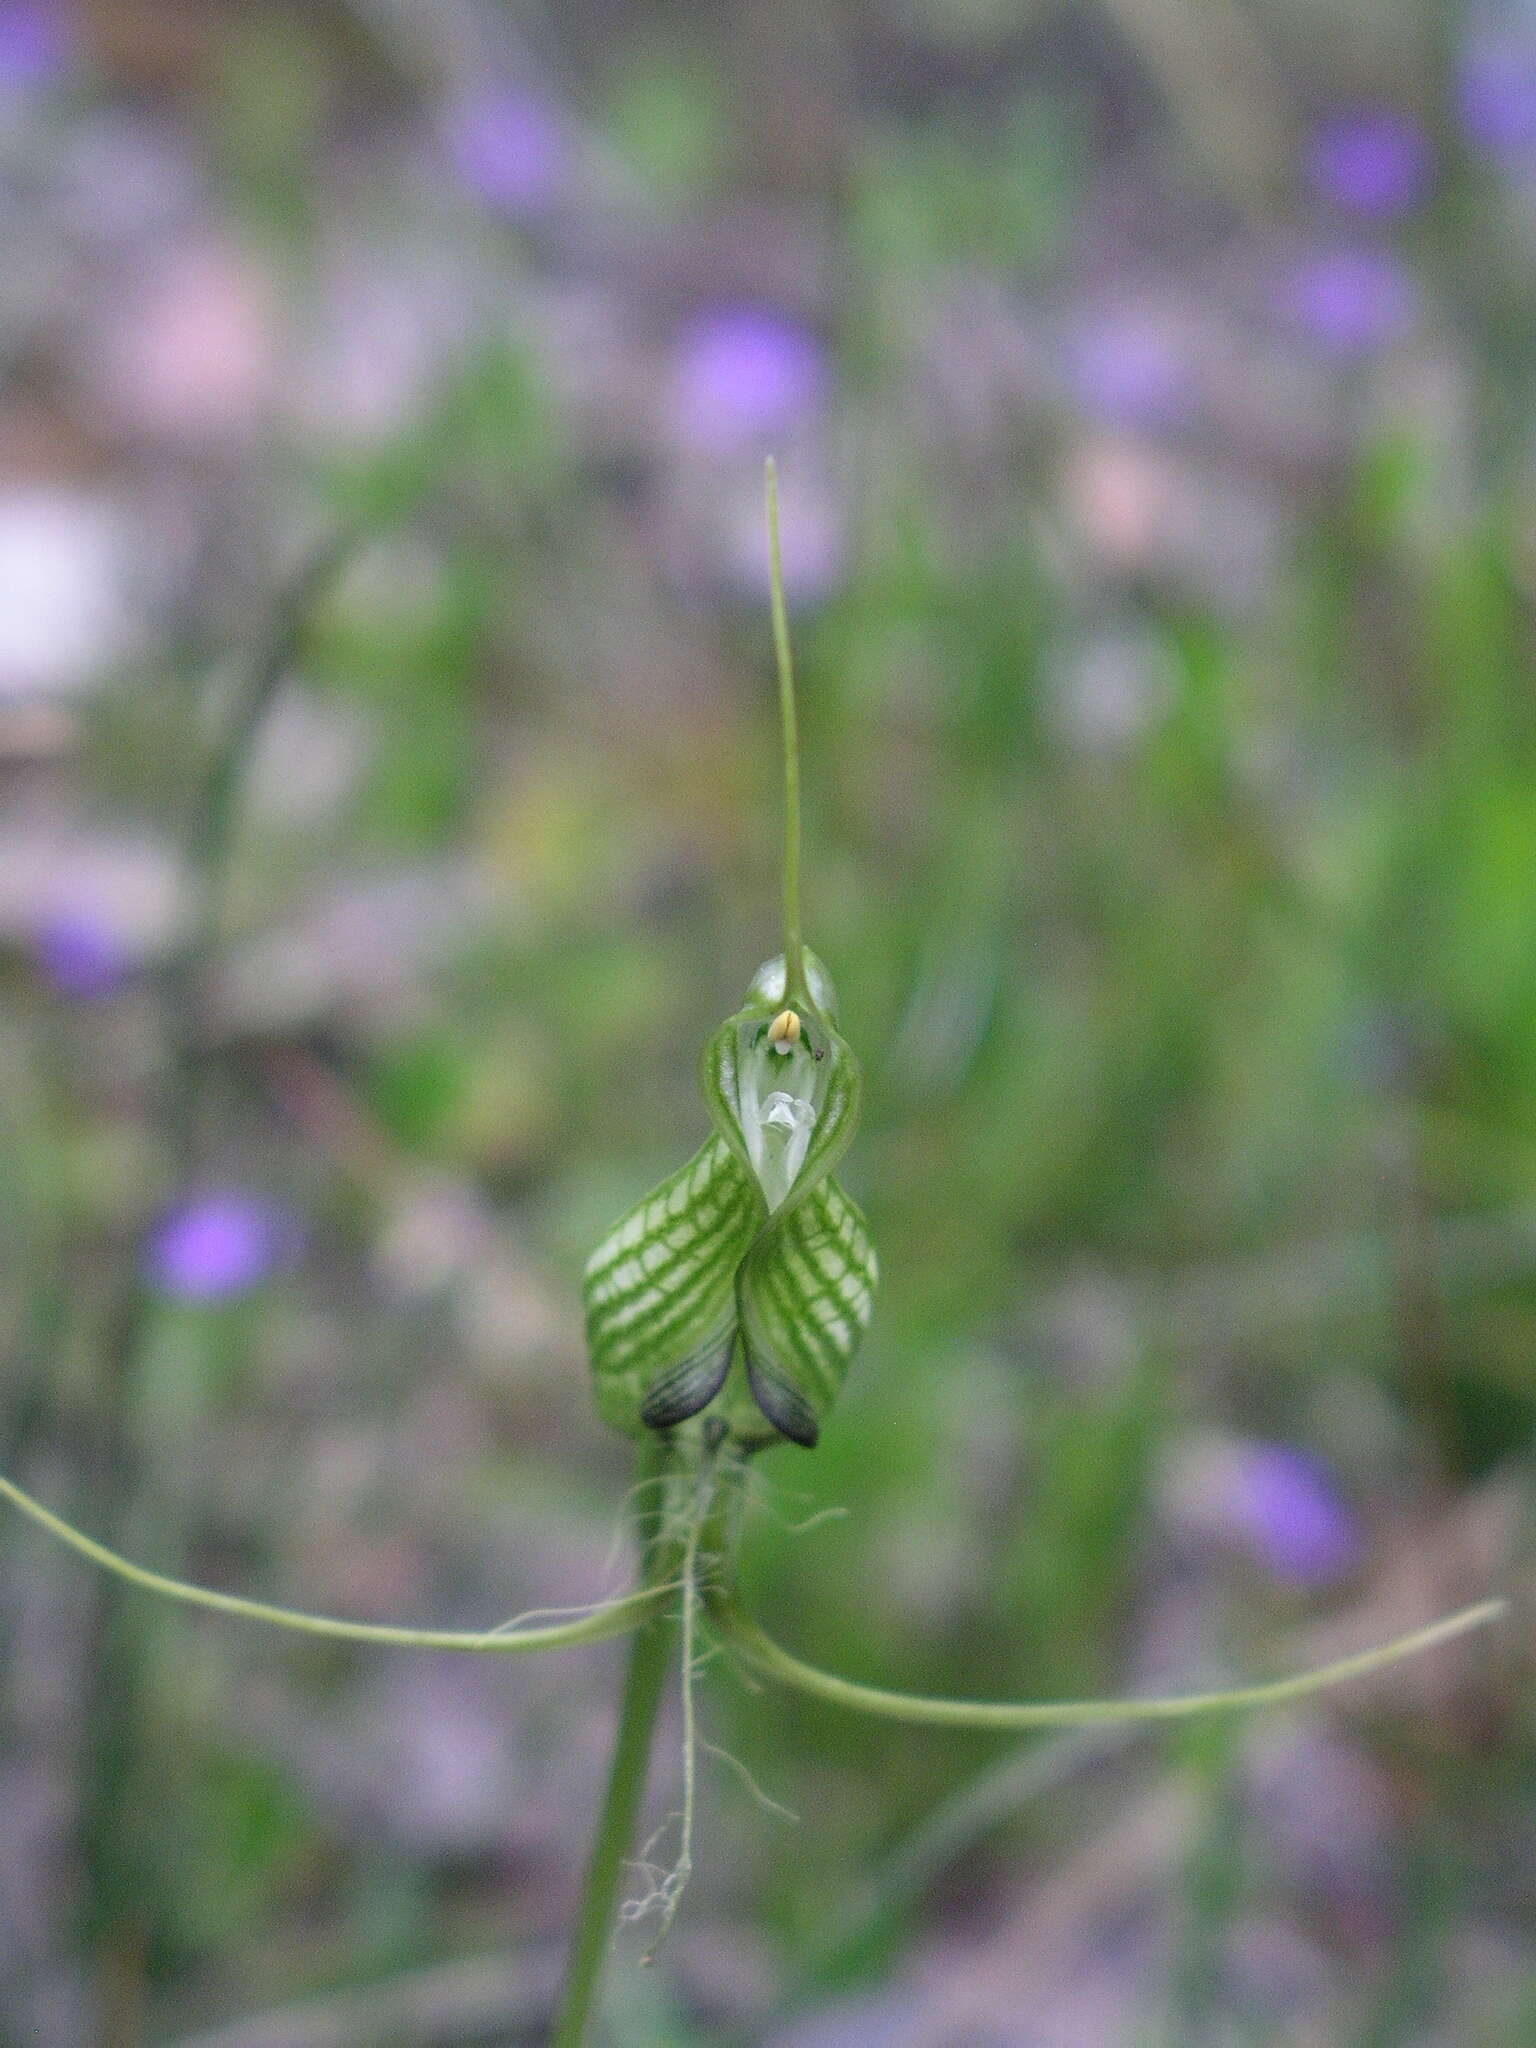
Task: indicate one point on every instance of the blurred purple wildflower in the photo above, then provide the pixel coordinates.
(746, 373)
(509, 147)
(1285, 1506)
(81, 954)
(1496, 96)
(35, 43)
(1130, 372)
(217, 1245)
(1352, 301)
(1373, 162)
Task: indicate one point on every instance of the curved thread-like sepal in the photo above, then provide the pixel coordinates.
(744, 1283)
(741, 1633)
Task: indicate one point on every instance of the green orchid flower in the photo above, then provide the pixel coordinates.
(738, 1291)
(735, 1295)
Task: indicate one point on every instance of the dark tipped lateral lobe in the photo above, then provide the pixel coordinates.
(681, 1393)
(790, 1414)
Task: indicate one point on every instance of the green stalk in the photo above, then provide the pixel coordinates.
(795, 989)
(649, 1659)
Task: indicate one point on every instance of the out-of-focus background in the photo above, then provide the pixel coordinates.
(390, 807)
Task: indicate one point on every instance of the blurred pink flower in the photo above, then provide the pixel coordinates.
(193, 350)
(1122, 496)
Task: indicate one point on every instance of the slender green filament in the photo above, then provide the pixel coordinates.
(741, 1634)
(754, 1647)
(614, 1618)
(795, 989)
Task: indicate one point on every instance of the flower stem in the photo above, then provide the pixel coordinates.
(795, 989)
(649, 1661)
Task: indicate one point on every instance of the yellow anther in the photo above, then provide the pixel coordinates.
(784, 1032)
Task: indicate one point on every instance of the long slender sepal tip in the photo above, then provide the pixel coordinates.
(795, 989)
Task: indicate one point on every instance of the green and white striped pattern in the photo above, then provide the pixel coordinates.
(807, 1290)
(738, 1290)
(661, 1292)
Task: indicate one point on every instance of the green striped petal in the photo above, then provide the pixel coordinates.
(806, 1289)
(660, 1293)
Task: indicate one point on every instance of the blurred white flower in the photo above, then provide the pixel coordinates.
(63, 611)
